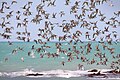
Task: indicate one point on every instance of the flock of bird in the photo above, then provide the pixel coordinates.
(87, 20)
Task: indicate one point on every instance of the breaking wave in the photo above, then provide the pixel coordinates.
(63, 73)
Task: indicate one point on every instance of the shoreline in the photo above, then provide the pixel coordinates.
(91, 73)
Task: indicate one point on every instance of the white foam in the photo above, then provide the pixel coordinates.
(15, 74)
(103, 78)
(0, 74)
(54, 73)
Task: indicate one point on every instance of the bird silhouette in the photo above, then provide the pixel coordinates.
(72, 22)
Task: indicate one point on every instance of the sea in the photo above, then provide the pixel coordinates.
(15, 63)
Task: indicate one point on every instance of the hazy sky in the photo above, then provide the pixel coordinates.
(60, 6)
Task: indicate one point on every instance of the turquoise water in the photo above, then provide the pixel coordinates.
(14, 62)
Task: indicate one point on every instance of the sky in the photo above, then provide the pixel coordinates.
(60, 6)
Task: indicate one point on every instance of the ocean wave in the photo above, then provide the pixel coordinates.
(93, 73)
